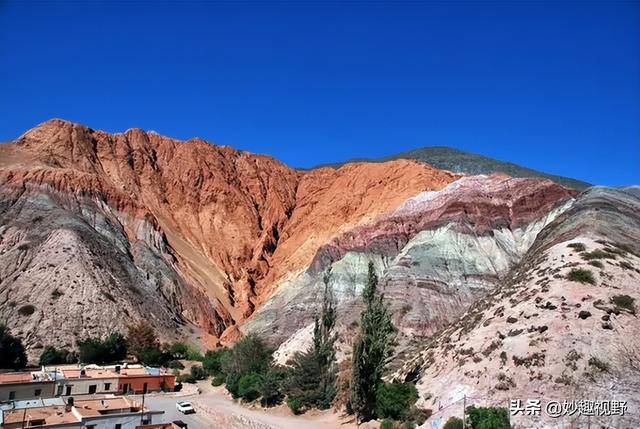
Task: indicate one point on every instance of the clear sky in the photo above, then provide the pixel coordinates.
(552, 85)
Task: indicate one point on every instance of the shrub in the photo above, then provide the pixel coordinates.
(597, 254)
(198, 372)
(271, 387)
(581, 275)
(453, 423)
(625, 302)
(52, 356)
(386, 424)
(597, 363)
(175, 364)
(218, 380)
(186, 378)
(179, 350)
(408, 425)
(231, 382)
(13, 355)
(295, 406)
(249, 386)
(152, 356)
(488, 418)
(110, 350)
(194, 355)
(394, 400)
(597, 264)
(212, 362)
(578, 247)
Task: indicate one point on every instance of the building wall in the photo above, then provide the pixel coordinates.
(80, 386)
(26, 390)
(155, 383)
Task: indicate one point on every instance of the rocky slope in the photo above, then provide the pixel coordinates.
(545, 332)
(455, 160)
(436, 253)
(98, 229)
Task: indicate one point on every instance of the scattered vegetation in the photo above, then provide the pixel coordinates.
(53, 356)
(487, 418)
(578, 247)
(598, 364)
(597, 254)
(624, 302)
(12, 353)
(581, 275)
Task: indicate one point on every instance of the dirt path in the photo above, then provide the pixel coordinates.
(217, 402)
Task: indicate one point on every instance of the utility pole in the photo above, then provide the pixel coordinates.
(464, 412)
(142, 410)
(24, 416)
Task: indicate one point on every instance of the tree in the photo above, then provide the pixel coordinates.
(52, 356)
(212, 361)
(12, 353)
(141, 336)
(271, 386)
(179, 350)
(488, 418)
(394, 400)
(313, 372)
(372, 350)
(198, 372)
(453, 423)
(250, 354)
(249, 386)
(94, 350)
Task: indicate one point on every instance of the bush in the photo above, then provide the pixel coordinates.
(186, 378)
(179, 350)
(13, 355)
(249, 386)
(52, 356)
(295, 406)
(581, 275)
(110, 350)
(408, 425)
(578, 247)
(198, 372)
(195, 355)
(386, 424)
(151, 356)
(231, 382)
(488, 418)
(271, 387)
(624, 301)
(394, 400)
(212, 361)
(597, 254)
(250, 354)
(453, 423)
(175, 364)
(218, 380)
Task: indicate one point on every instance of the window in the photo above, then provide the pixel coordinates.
(92, 389)
(91, 426)
(59, 392)
(37, 393)
(118, 426)
(107, 386)
(12, 396)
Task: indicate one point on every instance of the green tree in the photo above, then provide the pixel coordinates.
(250, 354)
(488, 418)
(249, 386)
(453, 423)
(94, 350)
(394, 400)
(53, 356)
(271, 386)
(198, 372)
(179, 350)
(212, 362)
(313, 373)
(372, 350)
(12, 353)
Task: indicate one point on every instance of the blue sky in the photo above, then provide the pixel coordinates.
(553, 85)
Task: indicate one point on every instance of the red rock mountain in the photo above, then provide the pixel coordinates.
(205, 231)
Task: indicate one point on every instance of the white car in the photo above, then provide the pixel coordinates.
(185, 407)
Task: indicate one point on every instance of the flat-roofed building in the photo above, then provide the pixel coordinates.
(106, 413)
(16, 386)
(86, 381)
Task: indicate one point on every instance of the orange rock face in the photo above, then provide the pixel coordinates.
(237, 223)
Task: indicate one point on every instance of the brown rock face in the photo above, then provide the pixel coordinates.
(225, 225)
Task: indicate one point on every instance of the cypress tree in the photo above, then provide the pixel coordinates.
(372, 350)
(312, 380)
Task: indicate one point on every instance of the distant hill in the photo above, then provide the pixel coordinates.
(458, 161)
